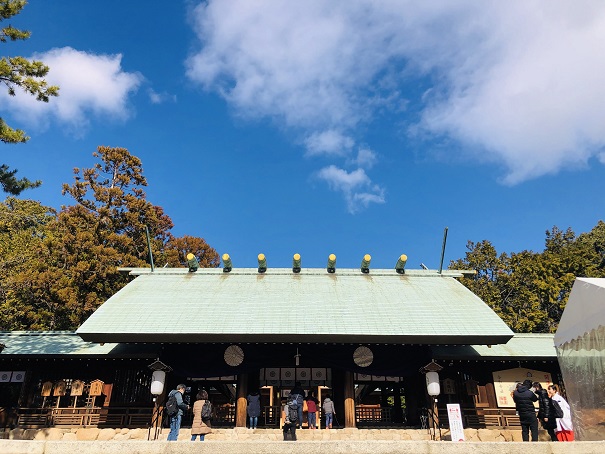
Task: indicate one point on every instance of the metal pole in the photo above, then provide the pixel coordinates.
(443, 250)
(149, 247)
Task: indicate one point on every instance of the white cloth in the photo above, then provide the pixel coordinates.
(563, 423)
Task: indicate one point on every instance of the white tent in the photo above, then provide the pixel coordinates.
(580, 344)
(585, 310)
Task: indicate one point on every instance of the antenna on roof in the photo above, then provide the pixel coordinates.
(149, 247)
(443, 250)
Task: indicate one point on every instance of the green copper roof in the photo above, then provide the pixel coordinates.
(172, 305)
(532, 346)
(58, 343)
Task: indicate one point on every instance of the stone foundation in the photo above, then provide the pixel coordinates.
(243, 434)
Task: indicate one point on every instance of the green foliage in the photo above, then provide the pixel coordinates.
(61, 266)
(529, 290)
(27, 75)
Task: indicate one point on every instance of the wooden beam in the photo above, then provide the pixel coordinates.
(241, 403)
(349, 393)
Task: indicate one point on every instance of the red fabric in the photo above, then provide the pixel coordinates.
(311, 406)
(565, 435)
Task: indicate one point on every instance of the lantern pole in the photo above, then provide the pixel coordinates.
(433, 390)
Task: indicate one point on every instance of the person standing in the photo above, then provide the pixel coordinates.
(253, 408)
(200, 426)
(329, 411)
(564, 428)
(175, 420)
(289, 415)
(299, 394)
(312, 403)
(524, 401)
(546, 413)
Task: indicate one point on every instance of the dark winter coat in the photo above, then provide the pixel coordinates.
(546, 410)
(253, 405)
(524, 401)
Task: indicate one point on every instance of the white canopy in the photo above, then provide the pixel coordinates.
(585, 310)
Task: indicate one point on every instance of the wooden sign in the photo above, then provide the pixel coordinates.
(96, 388)
(77, 388)
(60, 388)
(471, 388)
(47, 387)
(449, 386)
(505, 382)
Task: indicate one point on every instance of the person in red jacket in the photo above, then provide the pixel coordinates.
(312, 403)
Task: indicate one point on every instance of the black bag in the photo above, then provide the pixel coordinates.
(557, 408)
(172, 407)
(293, 411)
(207, 411)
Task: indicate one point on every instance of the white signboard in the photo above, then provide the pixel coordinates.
(506, 380)
(454, 416)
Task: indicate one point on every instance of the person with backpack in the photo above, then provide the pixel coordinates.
(298, 394)
(202, 414)
(329, 411)
(174, 408)
(564, 428)
(290, 417)
(546, 412)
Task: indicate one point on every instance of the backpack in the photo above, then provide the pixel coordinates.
(293, 411)
(557, 408)
(172, 407)
(207, 411)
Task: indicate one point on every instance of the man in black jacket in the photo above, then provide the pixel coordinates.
(546, 413)
(524, 399)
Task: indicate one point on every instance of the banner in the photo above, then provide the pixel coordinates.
(454, 416)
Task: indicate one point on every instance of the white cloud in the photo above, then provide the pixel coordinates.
(365, 158)
(160, 98)
(356, 187)
(330, 142)
(516, 83)
(89, 84)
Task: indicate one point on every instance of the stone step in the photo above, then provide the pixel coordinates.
(243, 434)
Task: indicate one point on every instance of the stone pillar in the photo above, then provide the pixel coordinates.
(349, 394)
(241, 403)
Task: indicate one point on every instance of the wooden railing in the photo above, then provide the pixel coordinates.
(373, 415)
(478, 418)
(124, 417)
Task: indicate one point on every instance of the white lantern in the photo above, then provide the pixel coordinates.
(157, 382)
(432, 383)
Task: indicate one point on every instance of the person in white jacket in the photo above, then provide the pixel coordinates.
(564, 428)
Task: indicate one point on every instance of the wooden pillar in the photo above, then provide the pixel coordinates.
(241, 403)
(349, 394)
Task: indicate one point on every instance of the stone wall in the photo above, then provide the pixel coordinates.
(243, 434)
(299, 447)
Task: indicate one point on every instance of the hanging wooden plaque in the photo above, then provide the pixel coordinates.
(449, 386)
(59, 389)
(96, 388)
(47, 387)
(471, 388)
(77, 388)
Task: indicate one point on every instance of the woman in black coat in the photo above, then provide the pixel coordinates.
(546, 413)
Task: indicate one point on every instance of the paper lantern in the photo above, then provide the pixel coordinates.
(432, 383)
(157, 382)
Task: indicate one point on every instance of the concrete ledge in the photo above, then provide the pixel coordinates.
(302, 447)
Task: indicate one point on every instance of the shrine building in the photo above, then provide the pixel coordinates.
(364, 337)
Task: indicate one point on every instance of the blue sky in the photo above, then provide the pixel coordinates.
(328, 127)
